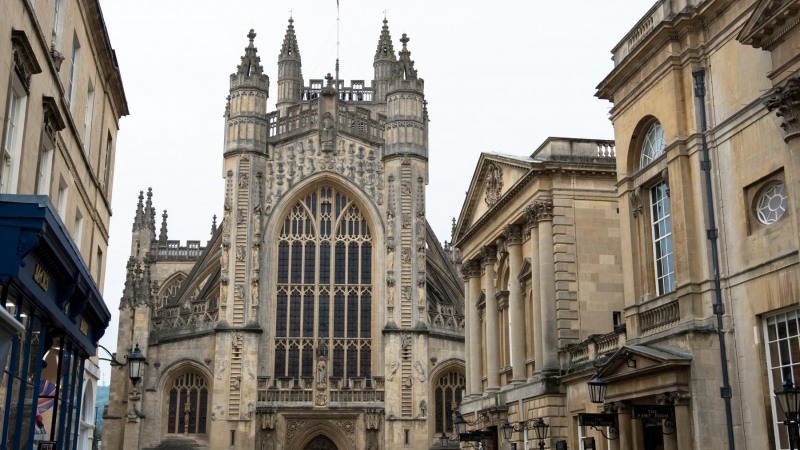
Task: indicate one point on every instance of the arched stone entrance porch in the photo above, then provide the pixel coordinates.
(321, 442)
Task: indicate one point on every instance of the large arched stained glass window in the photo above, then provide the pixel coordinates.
(653, 146)
(188, 404)
(324, 287)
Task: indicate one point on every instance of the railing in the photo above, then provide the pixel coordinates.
(594, 346)
(445, 316)
(656, 15)
(606, 150)
(660, 317)
(178, 317)
(302, 390)
(174, 250)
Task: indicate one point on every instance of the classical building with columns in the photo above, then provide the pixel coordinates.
(694, 323)
(705, 101)
(539, 239)
(323, 313)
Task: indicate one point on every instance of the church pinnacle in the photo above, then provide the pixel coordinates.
(405, 65)
(385, 50)
(290, 49)
(251, 63)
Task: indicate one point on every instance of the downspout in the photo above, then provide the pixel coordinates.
(713, 234)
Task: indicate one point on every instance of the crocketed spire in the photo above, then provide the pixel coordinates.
(138, 220)
(405, 65)
(290, 49)
(251, 63)
(385, 50)
(162, 235)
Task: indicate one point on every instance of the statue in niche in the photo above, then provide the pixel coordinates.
(405, 188)
(226, 222)
(423, 408)
(405, 255)
(244, 181)
(390, 224)
(254, 295)
(390, 258)
(240, 253)
(223, 261)
(421, 293)
(390, 294)
(406, 221)
(256, 263)
(326, 134)
(322, 374)
(257, 220)
(421, 258)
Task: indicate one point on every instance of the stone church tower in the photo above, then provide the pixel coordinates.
(323, 313)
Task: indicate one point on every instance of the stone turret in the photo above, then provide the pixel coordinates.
(407, 121)
(384, 64)
(144, 230)
(290, 73)
(246, 111)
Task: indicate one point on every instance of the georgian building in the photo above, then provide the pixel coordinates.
(322, 313)
(539, 240)
(61, 99)
(695, 77)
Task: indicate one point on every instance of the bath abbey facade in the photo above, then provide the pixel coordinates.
(323, 313)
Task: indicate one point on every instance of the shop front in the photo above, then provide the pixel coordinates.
(46, 288)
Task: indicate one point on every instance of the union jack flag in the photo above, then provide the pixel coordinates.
(47, 395)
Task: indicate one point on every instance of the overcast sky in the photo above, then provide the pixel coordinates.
(500, 76)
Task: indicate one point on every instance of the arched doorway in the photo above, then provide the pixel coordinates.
(321, 443)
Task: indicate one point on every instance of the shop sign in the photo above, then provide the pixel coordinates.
(597, 420)
(652, 412)
(47, 445)
(41, 277)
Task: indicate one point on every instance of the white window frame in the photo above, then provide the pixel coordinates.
(107, 163)
(88, 118)
(61, 198)
(778, 428)
(661, 225)
(77, 229)
(45, 170)
(13, 135)
(653, 146)
(73, 73)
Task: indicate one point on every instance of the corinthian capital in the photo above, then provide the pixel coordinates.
(513, 234)
(544, 209)
(488, 255)
(785, 101)
(470, 269)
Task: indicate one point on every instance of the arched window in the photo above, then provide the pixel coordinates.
(170, 289)
(324, 287)
(653, 146)
(446, 398)
(188, 404)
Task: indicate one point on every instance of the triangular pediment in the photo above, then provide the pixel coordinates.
(769, 21)
(634, 360)
(493, 180)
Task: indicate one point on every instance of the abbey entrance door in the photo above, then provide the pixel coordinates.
(321, 443)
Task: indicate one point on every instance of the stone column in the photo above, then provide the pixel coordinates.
(530, 217)
(474, 330)
(467, 321)
(547, 287)
(625, 431)
(516, 307)
(489, 258)
(683, 422)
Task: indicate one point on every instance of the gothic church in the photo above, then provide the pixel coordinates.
(323, 313)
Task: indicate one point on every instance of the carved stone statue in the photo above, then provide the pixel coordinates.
(326, 133)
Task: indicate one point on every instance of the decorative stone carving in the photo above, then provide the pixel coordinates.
(372, 419)
(530, 219)
(244, 181)
(327, 133)
(785, 101)
(240, 252)
(513, 234)
(405, 188)
(321, 399)
(423, 408)
(405, 220)
(222, 366)
(390, 293)
(488, 255)
(390, 258)
(405, 341)
(405, 255)
(393, 370)
(493, 184)
(636, 201)
(421, 293)
(470, 269)
(420, 371)
(544, 208)
(268, 418)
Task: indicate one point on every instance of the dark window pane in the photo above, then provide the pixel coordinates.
(352, 361)
(338, 362)
(297, 261)
(366, 362)
(308, 277)
(181, 408)
(202, 414)
(294, 362)
(308, 315)
(193, 411)
(173, 408)
(280, 316)
(325, 263)
(366, 315)
(352, 315)
(366, 263)
(294, 315)
(439, 410)
(308, 362)
(339, 267)
(338, 315)
(352, 263)
(323, 320)
(283, 262)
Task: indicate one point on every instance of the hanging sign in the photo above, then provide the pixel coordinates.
(597, 420)
(652, 412)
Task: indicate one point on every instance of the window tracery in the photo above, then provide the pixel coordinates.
(187, 410)
(324, 287)
(447, 398)
(653, 146)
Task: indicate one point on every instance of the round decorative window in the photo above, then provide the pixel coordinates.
(771, 203)
(653, 146)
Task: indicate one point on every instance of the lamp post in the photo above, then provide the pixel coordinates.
(538, 426)
(136, 362)
(474, 438)
(788, 397)
(597, 389)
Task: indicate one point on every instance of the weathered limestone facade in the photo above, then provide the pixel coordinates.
(669, 353)
(539, 240)
(323, 313)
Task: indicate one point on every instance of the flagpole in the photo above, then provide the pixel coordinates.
(337, 48)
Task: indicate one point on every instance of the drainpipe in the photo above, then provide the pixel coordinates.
(712, 234)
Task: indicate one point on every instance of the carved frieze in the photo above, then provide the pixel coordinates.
(784, 100)
(493, 184)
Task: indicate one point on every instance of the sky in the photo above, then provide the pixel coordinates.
(500, 76)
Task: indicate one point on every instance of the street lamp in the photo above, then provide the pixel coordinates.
(788, 397)
(135, 362)
(538, 426)
(474, 438)
(597, 389)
